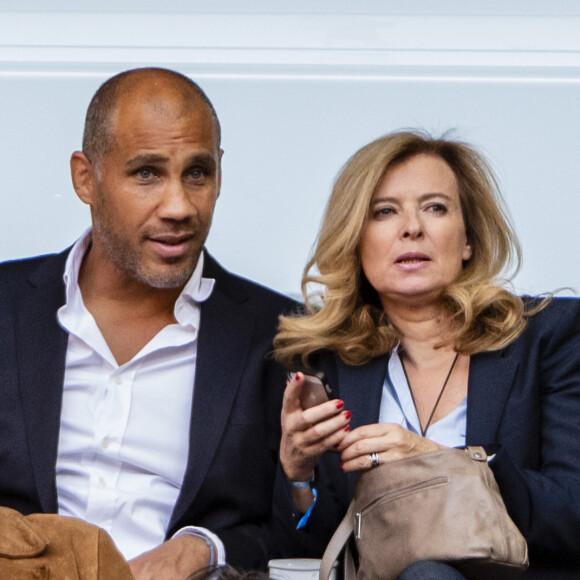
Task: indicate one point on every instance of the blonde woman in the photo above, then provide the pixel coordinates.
(427, 348)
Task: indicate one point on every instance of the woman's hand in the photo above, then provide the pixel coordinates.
(388, 440)
(307, 434)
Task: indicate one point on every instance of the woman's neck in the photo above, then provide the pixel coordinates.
(422, 330)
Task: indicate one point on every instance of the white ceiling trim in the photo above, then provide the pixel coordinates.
(339, 43)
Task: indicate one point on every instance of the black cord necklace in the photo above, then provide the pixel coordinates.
(424, 430)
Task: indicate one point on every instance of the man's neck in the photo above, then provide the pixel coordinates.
(100, 280)
(128, 313)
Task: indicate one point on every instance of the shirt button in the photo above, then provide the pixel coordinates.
(102, 481)
(118, 380)
(105, 442)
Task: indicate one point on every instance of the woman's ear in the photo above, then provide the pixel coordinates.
(467, 251)
(83, 177)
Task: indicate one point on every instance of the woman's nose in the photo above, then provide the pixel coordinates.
(412, 227)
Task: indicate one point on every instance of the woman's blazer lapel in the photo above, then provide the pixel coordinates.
(491, 378)
(361, 388)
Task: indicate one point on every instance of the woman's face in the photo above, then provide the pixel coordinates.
(414, 242)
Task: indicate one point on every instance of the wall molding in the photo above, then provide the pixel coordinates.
(329, 42)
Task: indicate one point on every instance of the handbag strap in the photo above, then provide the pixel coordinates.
(335, 546)
(349, 569)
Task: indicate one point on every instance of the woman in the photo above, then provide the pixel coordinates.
(426, 348)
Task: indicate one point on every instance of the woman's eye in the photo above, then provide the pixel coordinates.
(383, 212)
(437, 208)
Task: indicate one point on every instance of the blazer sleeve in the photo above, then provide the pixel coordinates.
(332, 485)
(537, 464)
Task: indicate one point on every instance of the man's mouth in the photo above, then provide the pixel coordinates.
(171, 246)
(171, 239)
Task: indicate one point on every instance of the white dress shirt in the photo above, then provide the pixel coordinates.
(124, 430)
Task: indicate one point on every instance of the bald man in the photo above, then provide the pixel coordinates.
(137, 391)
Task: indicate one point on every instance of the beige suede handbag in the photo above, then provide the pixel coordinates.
(444, 505)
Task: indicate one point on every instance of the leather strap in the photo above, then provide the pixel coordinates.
(335, 546)
(476, 453)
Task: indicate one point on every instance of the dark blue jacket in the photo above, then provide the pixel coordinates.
(235, 426)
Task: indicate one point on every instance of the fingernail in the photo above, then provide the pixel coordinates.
(342, 467)
(347, 414)
(339, 404)
(347, 428)
(336, 445)
(298, 376)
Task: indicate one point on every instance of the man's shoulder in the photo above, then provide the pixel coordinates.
(15, 273)
(243, 290)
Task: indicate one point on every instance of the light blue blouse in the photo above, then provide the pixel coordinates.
(397, 407)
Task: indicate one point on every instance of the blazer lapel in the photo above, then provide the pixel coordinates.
(224, 341)
(361, 389)
(491, 377)
(41, 347)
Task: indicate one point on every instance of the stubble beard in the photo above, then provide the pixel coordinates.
(127, 260)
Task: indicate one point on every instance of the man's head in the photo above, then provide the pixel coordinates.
(150, 172)
(102, 111)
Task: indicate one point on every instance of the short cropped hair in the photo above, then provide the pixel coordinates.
(347, 315)
(99, 120)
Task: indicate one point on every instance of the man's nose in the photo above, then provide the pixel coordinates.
(175, 203)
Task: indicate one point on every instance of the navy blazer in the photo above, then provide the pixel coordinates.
(235, 425)
(523, 404)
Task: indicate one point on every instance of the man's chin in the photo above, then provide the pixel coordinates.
(167, 277)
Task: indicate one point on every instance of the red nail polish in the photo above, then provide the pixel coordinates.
(339, 404)
(336, 445)
(347, 414)
(342, 467)
(347, 428)
(298, 376)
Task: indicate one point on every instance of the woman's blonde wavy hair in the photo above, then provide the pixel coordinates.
(347, 315)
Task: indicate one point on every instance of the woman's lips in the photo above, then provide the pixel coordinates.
(412, 261)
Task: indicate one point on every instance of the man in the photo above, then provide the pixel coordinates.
(137, 392)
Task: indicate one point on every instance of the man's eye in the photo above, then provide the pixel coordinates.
(145, 173)
(197, 173)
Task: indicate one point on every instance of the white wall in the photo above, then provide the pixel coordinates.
(299, 86)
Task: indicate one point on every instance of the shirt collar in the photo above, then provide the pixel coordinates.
(197, 290)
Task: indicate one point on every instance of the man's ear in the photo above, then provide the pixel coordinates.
(83, 177)
(219, 173)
